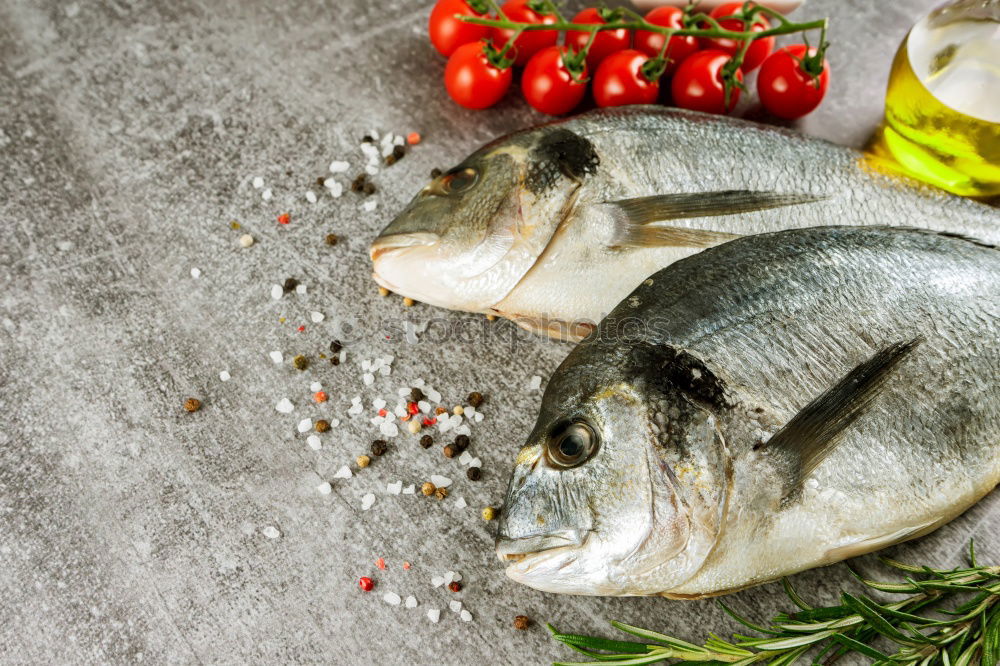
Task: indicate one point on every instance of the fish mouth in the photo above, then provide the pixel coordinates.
(517, 550)
(392, 242)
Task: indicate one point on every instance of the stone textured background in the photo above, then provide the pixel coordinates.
(130, 530)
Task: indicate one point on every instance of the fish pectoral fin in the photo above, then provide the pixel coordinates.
(810, 435)
(634, 215)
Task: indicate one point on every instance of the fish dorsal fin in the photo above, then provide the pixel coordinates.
(635, 215)
(815, 430)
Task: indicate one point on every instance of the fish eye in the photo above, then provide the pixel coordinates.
(459, 181)
(572, 444)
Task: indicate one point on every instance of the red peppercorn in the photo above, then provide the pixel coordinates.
(382, 412)
(366, 583)
(380, 563)
(455, 586)
(429, 422)
(320, 396)
(412, 408)
(284, 218)
(301, 328)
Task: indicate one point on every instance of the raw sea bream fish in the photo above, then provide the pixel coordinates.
(553, 226)
(776, 403)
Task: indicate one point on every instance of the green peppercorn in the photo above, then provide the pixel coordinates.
(300, 362)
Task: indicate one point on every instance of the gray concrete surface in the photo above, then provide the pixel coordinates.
(132, 531)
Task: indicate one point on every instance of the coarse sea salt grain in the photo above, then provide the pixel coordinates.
(314, 442)
(440, 481)
(315, 386)
(334, 423)
(435, 396)
(371, 169)
(434, 614)
(316, 317)
(411, 602)
(305, 425)
(437, 581)
(285, 406)
(455, 606)
(324, 488)
(301, 289)
(196, 273)
(258, 183)
(339, 166)
(535, 383)
(395, 488)
(276, 356)
(310, 196)
(271, 532)
(369, 205)
(479, 417)
(460, 503)
(367, 501)
(475, 462)
(455, 576)
(465, 458)
(391, 598)
(343, 473)
(410, 490)
(378, 403)
(424, 406)
(466, 616)
(368, 379)
(225, 376)
(266, 194)
(389, 429)
(276, 291)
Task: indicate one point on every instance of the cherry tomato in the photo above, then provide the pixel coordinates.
(619, 80)
(650, 43)
(548, 85)
(447, 32)
(785, 88)
(605, 43)
(472, 80)
(759, 48)
(697, 83)
(531, 42)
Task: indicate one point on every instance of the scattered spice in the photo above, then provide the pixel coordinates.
(475, 399)
(427, 488)
(368, 138)
(408, 302)
(462, 442)
(335, 360)
(284, 218)
(323, 425)
(192, 404)
(427, 441)
(406, 566)
(380, 563)
(369, 188)
(331, 239)
(290, 285)
(440, 410)
(413, 426)
(320, 396)
(246, 240)
(398, 153)
(458, 410)
(300, 362)
(441, 493)
(363, 461)
(336, 346)
(491, 317)
(474, 473)
(435, 172)
(234, 225)
(450, 451)
(358, 184)
(366, 583)
(382, 291)
(416, 395)
(489, 513)
(455, 586)
(379, 447)
(522, 622)
(413, 138)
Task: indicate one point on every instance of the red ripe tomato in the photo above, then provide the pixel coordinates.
(650, 43)
(697, 84)
(759, 48)
(785, 86)
(472, 80)
(619, 80)
(532, 41)
(548, 85)
(605, 43)
(447, 32)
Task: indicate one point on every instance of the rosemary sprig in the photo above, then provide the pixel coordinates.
(919, 630)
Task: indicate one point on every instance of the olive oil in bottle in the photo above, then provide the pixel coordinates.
(942, 104)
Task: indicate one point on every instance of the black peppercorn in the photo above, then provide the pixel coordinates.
(475, 399)
(336, 346)
(290, 285)
(379, 447)
(331, 239)
(435, 172)
(416, 395)
(462, 442)
(426, 441)
(474, 473)
(450, 451)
